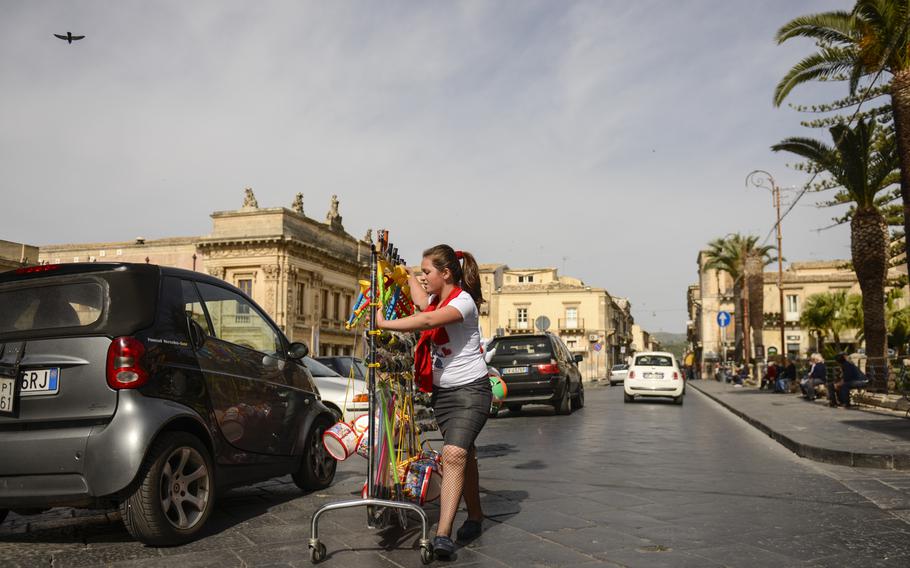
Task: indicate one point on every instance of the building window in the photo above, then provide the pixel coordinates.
(336, 306)
(102, 253)
(571, 344)
(119, 252)
(56, 261)
(521, 278)
(243, 309)
(301, 296)
(792, 313)
(522, 314)
(325, 304)
(571, 318)
(75, 259)
(347, 307)
(92, 259)
(530, 278)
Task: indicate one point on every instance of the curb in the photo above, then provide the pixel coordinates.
(818, 453)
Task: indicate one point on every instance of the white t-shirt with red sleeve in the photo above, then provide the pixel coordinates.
(460, 361)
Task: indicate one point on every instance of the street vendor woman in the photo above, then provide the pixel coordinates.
(450, 363)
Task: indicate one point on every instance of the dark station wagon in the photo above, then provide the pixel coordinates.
(151, 389)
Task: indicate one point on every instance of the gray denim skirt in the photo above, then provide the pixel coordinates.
(462, 411)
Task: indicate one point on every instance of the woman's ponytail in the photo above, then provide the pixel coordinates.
(463, 267)
(470, 277)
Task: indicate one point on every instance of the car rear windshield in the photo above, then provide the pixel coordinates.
(620, 367)
(36, 308)
(654, 361)
(522, 346)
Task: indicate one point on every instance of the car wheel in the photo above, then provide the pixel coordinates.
(516, 408)
(174, 492)
(317, 467)
(3, 513)
(564, 405)
(579, 401)
(678, 400)
(627, 397)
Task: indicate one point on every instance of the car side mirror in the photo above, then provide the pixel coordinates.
(578, 358)
(298, 350)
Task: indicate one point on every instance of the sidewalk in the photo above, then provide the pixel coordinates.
(858, 438)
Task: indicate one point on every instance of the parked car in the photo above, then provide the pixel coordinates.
(654, 373)
(538, 369)
(339, 389)
(618, 373)
(150, 389)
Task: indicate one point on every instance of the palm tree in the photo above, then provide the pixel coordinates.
(862, 169)
(827, 313)
(744, 260)
(874, 37)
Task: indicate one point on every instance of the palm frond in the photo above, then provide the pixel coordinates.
(832, 27)
(820, 65)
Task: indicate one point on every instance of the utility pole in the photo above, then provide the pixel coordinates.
(761, 178)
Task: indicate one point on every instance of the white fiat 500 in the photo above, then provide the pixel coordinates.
(654, 374)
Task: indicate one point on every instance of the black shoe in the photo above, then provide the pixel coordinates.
(469, 530)
(443, 547)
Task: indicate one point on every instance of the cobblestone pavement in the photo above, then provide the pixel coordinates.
(643, 484)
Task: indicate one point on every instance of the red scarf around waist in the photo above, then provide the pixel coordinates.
(423, 353)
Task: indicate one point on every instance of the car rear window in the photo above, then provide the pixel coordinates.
(654, 361)
(36, 308)
(317, 369)
(620, 367)
(522, 346)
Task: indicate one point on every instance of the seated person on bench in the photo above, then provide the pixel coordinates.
(852, 378)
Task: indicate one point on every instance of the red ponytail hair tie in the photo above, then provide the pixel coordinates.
(459, 255)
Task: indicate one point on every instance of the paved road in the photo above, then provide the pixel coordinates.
(645, 484)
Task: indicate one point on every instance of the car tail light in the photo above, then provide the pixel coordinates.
(37, 268)
(124, 366)
(631, 374)
(551, 368)
(675, 376)
(361, 398)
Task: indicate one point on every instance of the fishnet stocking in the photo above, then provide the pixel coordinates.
(453, 481)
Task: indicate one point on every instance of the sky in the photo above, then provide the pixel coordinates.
(609, 139)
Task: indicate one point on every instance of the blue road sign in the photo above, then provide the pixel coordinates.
(723, 319)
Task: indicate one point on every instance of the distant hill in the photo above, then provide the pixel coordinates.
(673, 342)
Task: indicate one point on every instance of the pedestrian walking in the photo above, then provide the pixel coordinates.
(450, 363)
(818, 375)
(851, 378)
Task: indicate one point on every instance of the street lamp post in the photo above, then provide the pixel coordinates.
(761, 178)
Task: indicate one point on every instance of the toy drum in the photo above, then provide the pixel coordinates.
(361, 424)
(340, 441)
(422, 482)
(363, 444)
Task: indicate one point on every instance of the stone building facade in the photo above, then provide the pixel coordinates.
(14, 255)
(586, 318)
(303, 272)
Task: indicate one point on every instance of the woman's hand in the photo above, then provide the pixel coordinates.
(380, 318)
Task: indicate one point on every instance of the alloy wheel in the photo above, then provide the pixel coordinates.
(185, 487)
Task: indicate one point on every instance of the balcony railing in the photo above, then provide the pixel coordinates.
(577, 324)
(521, 326)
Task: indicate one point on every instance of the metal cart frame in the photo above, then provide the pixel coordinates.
(317, 548)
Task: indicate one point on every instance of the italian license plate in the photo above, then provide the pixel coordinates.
(7, 396)
(39, 381)
(514, 370)
(654, 375)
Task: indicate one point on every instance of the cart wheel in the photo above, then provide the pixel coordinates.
(317, 553)
(426, 554)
